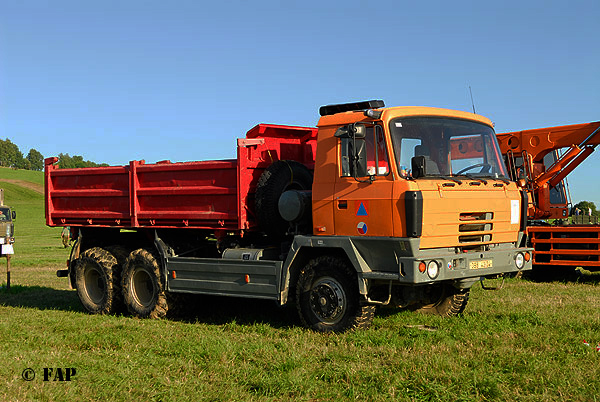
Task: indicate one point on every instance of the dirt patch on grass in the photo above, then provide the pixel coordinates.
(38, 188)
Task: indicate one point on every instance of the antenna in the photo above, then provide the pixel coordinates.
(472, 103)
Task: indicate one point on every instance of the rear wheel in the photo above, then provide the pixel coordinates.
(327, 297)
(121, 254)
(143, 289)
(446, 301)
(96, 280)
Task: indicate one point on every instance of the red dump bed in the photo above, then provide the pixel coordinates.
(208, 195)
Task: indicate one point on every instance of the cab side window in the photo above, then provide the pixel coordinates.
(372, 152)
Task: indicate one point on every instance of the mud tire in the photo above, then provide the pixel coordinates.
(281, 176)
(327, 297)
(121, 254)
(97, 281)
(143, 286)
(449, 302)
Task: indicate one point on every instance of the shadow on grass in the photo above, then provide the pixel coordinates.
(563, 274)
(220, 310)
(40, 297)
(190, 308)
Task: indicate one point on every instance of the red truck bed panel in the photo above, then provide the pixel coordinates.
(206, 195)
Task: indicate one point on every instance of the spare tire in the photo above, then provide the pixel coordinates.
(281, 176)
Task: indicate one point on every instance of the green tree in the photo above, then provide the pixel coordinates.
(584, 207)
(10, 155)
(65, 161)
(24, 164)
(36, 159)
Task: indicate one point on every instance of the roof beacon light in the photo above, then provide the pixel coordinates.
(373, 114)
(350, 107)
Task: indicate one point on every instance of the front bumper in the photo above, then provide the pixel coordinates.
(464, 266)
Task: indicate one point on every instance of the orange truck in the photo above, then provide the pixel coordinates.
(406, 207)
(534, 162)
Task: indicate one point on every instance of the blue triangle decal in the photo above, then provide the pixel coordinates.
(362, 211)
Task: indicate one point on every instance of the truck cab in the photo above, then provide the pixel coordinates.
(414, 172)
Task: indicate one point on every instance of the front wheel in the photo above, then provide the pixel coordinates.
(327, 297)
(143, 290)
(446, 301)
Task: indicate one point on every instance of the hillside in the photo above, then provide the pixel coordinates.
(28, 176)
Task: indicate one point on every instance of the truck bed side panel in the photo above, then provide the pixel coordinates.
(191, 194)
(213, 195)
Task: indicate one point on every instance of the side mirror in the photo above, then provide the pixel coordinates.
(354, 149)
(418, 166)
(14, 215)
(357, 130)
(341, 132)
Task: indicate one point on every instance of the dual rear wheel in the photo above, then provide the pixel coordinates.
(109, 281)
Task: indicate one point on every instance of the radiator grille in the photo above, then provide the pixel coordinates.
(478, 229)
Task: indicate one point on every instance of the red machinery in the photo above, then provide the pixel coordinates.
(533, 159)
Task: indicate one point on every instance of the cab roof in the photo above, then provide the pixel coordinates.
(390, 113)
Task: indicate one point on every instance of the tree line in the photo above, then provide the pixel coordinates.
(11, 156)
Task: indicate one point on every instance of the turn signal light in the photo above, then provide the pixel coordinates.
(422, 267)
(527, 256)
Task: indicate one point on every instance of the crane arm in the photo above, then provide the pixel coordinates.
(532, 145)
(540, 141)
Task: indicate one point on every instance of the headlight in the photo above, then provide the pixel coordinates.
(519, 260)
(433, 269)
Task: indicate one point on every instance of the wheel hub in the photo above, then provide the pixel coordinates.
(94, 284)
(328, 300)
(143, 287)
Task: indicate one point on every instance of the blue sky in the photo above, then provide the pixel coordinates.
(115, 81)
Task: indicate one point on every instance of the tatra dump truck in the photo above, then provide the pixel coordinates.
(406, 207)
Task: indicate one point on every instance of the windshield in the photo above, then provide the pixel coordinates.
(450, 147)
(4, 214)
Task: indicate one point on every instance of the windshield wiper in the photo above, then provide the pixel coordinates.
(504, 179)
(450, 178)
(471, 177)
(484, 181)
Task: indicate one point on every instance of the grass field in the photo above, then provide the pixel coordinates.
(521, 343)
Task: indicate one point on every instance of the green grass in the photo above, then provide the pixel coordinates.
(521, 343)
(25, 175)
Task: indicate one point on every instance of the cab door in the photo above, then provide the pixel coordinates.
(363, 190)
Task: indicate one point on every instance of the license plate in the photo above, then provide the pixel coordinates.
(480, 264)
